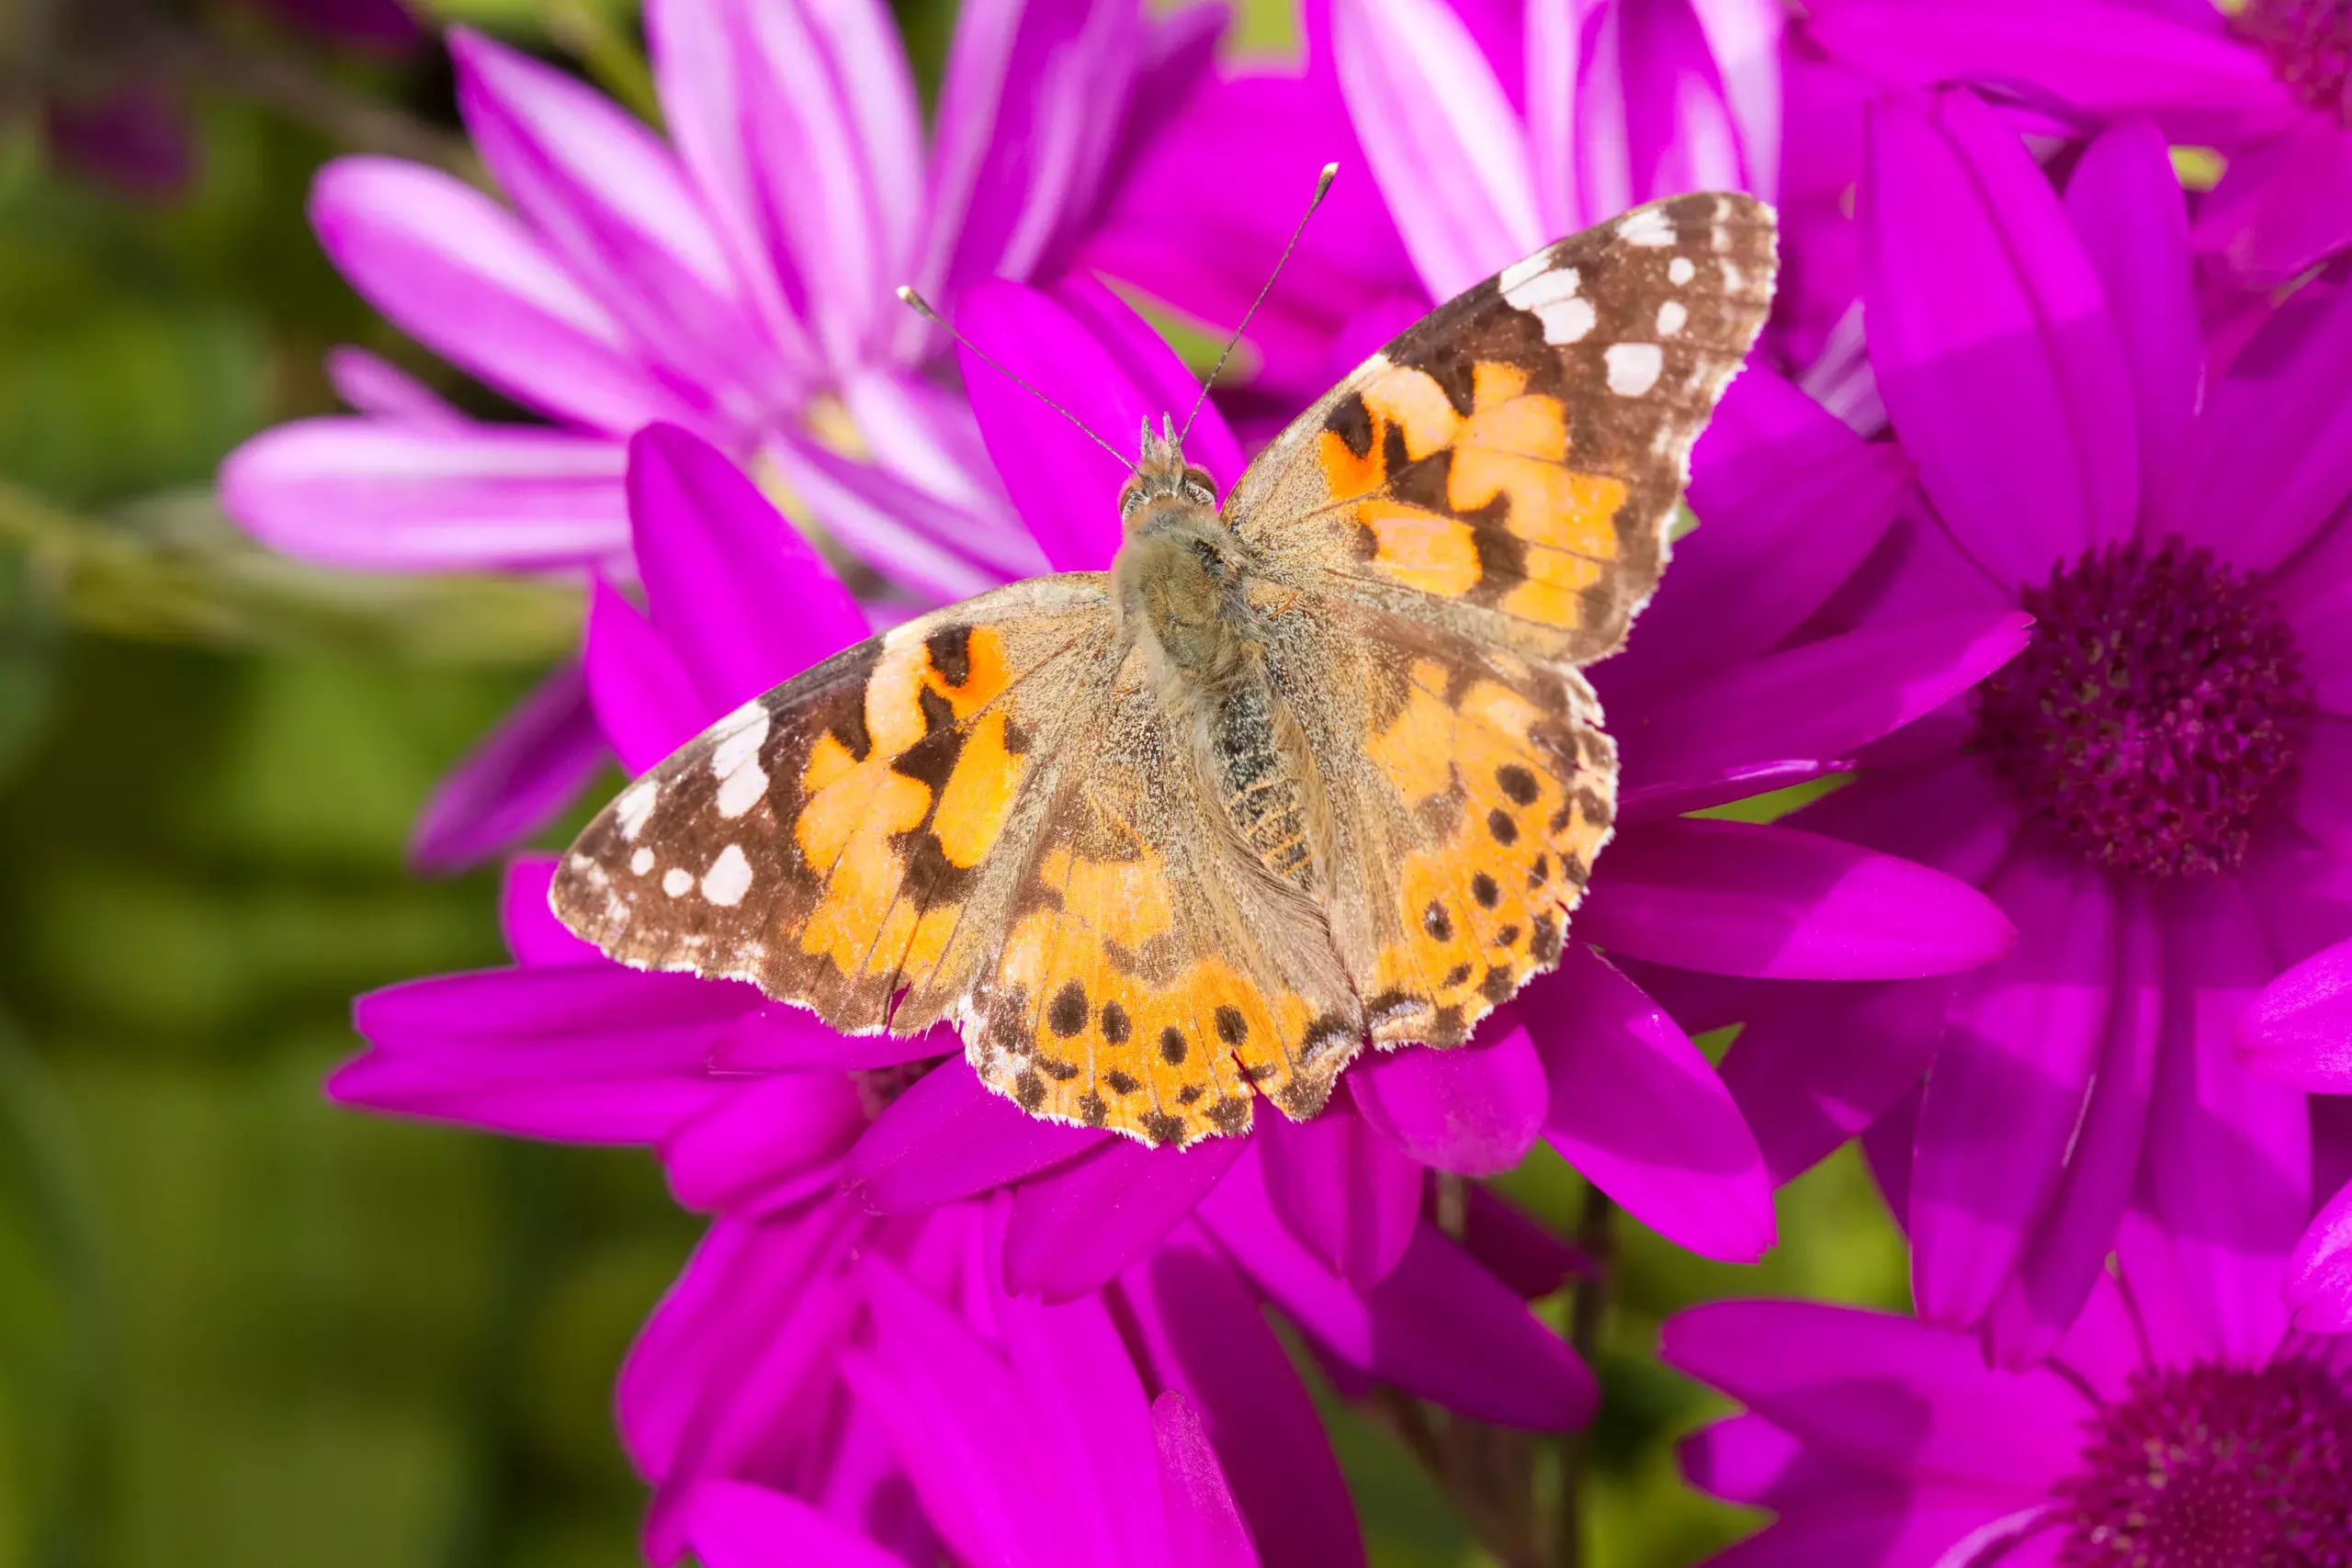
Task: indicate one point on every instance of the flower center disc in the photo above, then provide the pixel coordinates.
(2216, 1467)
(2153, 714)
(2310, 46)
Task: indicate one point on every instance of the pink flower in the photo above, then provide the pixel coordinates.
(2150, 791)
(2298, 1032)
(2180, 1423)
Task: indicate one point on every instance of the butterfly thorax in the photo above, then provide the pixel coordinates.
(1188, 627)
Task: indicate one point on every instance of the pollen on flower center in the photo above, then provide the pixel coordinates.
(2216, 1467)
(2310, 46)
(2155, 714)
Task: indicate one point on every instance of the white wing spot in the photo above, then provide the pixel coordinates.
(676, 880)
(634, 807)
(1671, 317)
(729, 878)
(641, 861)
(1566, 320)
(1519, 272)
(1530, 293)
(1633, 368)
(1647, 227)
(1681, 270)
(741, 741)
(743, 789)
(1734, 280)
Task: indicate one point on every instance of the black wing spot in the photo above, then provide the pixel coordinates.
(1456, 976)
(1545, 942)
(1517, 783)
(1324, 1034)
(1189, 1094)
(1231, 1027)
(1122, 1083)
(1029, 1091)
(1091, 1110)
(1483, 888)
(1067, 1015)
(1541, 872)
(1115, 1027)
(1499, 823)
(1497, 986)
(1508, 936)
(1163, 1129)
(1229, 1115)
(1056, 1070)
(1351, 422)
(1435, 921)
(1172, 1047)
(950, 651)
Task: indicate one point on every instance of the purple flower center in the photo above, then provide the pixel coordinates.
(2216, 1467)
(2310, 46)
(2150, 721)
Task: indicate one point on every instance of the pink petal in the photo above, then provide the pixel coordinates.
(1991, 340)
(2280, 207)
(949, 1137)
(1638, 1110)
(384, 497)
(2005, 1092)
(1204, 1528)
(732, 1524)
(735, 591)
(781, 1037)
(646, 703)
(1075, 1225)
(2298, 1030)
(513, 781)
(2127, 208)
(2319, 1275)
(1820, 1063)
(2229, 1168)
(369, 383)
(459, 273)
(767, 1133)
(1343, 1187)
(606, 195)
(1206, 1335)
(565, 1105)
(1473, 1109)
(1439, 135)
(1882, 1393)
(935, 549)
(1737, 898)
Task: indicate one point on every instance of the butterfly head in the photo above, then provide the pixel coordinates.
(1164, 484)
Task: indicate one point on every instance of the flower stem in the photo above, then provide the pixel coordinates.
(1587, 1315)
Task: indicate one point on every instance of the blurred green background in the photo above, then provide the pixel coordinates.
(238, 1326)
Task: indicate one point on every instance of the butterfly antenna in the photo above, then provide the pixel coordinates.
(921, 307)
(1322, 186)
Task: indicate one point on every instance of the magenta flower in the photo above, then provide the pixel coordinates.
(735, 280)
(2268, 82)
(1192, 1523)
(1723, 701)
(1485, 131)
(2150, 791)
(2298, 1032)
(2179, 1423)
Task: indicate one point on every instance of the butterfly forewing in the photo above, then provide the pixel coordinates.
(1510, 466)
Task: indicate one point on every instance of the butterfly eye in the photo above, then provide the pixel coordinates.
(1129, 499)
(1199, 488)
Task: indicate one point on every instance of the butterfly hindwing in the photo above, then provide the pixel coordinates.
(1509, 467)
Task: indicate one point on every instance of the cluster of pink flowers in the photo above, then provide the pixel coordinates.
(2027, 537)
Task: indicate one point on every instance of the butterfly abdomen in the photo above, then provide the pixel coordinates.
(1260, 783)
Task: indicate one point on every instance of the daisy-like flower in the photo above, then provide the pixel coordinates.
(1486, 131)
(1725, 701)
(2299, 1032)
(2152, 790)
(2180, 1424)
(735, 279)
(2268, 82)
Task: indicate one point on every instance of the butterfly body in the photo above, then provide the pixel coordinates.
(1313, 769)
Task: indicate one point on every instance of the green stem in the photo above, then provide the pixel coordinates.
(1587, 1316)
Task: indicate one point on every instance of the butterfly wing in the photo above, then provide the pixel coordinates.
(1467, 791)
(1509, 468)
(1153, 976)
(848, 836)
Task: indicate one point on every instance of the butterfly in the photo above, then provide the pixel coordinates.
(1309, 768)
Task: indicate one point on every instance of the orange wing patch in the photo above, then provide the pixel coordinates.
(1512, 807)
(1472, 502)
